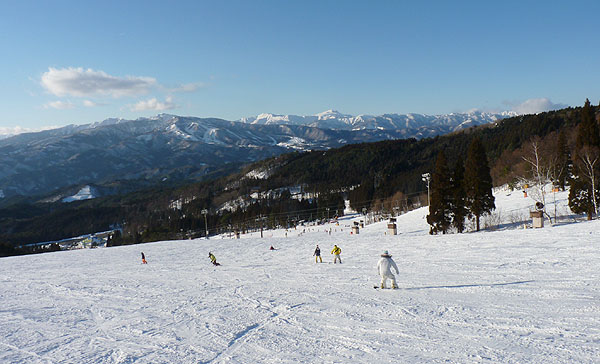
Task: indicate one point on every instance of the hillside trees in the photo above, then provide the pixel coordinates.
(478, 182)
(361, 196)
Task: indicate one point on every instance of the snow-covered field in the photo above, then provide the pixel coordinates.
(512, 295)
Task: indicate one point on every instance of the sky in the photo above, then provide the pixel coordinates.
(76, 62)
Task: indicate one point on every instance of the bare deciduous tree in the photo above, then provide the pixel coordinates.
(543, 172)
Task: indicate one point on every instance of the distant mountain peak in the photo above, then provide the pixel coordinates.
(328, 114)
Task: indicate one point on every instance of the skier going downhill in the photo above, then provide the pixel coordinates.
(384, 268)
(144, 259)
(336, 252)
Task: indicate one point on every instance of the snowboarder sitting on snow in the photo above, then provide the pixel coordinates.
(144, 259)
(213, 259)
(271, 248)
(317, 255)
(384, 268)
(336, 251)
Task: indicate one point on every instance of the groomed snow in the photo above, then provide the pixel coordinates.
(507, 296)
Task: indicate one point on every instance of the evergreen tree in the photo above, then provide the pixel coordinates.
(478, 182)
(580, 196)
(584, 181)
(563, 161)
(439, 209)
(458, 211)
(588, 133)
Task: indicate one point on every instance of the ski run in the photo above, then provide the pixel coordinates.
(504, 295)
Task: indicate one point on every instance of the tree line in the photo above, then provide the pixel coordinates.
(461, 192)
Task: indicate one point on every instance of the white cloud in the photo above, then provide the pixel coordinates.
(60, 105)
(14, 130)
(81, 82)
(90, 103)
(8, 131)
(535, 106)
(154, 104)
(188, 87)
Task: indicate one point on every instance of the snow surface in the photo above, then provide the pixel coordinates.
(511, 295)
(85, 193)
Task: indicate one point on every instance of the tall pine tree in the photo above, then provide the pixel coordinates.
(588, 128)
(439, 209)
(586, 168)
(478, 182)
(458, 211)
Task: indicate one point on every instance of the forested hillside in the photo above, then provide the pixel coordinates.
(370, 175)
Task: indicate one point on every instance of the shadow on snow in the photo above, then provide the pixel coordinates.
(469, 285)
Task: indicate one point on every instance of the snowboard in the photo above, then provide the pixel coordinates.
(377, 287)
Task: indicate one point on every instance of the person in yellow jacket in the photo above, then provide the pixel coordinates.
(336, 252)
(212, 258)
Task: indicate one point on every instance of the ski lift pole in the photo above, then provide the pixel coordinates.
(205, 212)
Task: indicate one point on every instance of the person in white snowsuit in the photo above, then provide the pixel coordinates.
(384, 268)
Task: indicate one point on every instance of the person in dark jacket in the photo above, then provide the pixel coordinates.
(317, 255)
(144, 259)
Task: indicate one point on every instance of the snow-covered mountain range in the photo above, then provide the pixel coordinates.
(332, 119)
(168, 147)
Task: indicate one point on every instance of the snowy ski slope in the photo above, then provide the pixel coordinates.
(512, 295)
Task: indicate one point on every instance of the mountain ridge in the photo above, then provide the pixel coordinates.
(333, 119)
(167, 147)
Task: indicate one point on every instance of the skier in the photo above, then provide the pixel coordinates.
(144, 259)
(213, 259)
(384, 268)
(271, 248)
(336, 251)
(317, 254)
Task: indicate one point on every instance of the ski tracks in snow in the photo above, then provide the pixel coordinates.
(272, 315)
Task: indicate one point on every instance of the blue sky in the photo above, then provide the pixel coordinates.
(75, 62)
